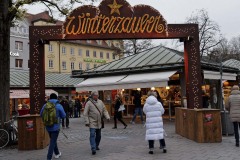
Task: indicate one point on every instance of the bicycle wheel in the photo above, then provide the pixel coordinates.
(4, 138)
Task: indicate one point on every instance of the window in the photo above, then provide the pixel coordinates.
(108, 56)
(19, 45)
(72, 51)
(80, 66)
(24, 30)
(88, 41)
(113, 55)
(64, 65)
(87, 53)
(72, 65)
(101, 54)
(18, 63)
(109, 43)
(80, 52)
(64, 50)
(94, 54)
(95, 65)
(99, 42)
(50, 48)
(87, 66)
(50, 63)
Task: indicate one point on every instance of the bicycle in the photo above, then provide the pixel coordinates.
(9, 134)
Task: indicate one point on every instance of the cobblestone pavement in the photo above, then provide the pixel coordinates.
(128, 144)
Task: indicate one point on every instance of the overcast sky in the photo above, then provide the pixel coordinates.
(225, 12)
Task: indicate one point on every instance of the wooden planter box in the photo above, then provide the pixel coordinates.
(200, 125)
(32, 134)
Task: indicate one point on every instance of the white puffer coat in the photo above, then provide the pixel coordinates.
(154, 122)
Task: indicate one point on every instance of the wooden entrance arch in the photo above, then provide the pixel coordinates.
(114, 19)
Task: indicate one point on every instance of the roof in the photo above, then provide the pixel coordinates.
(151, 60)
(232, 63)
(43, 16)
(94, 43)
(21, 79)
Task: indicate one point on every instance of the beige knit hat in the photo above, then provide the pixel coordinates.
(235, 87)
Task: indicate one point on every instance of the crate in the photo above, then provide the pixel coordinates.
(32, 134)
(200, 125)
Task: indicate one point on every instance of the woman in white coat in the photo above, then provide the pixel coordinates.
(154, 122)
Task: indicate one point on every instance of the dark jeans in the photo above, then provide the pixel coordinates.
(161, 141)
(138, 111)
(79, 112)
(53, 144)
(95, 138)
(236, 131)
(67, 120)
(118, 116)
(71, 113)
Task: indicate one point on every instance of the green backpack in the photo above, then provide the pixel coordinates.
(49, 115)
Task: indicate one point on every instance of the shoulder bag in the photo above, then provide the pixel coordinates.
(102, 122)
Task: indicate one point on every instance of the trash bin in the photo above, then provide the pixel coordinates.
(227, 125)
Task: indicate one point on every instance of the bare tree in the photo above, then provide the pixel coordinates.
(221, 52)
(11, 10)
(134, 46)
(235, 46)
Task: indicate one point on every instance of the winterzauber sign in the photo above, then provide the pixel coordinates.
(114, 17)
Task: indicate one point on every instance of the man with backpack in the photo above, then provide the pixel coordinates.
(52, 112)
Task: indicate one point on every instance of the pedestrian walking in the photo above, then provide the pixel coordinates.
(71, 107)
(233, 105)
(51, 114)
(78, 107)
(94, 113)
(65, 105)
(154, 122)
(138, 107)
(117, 113)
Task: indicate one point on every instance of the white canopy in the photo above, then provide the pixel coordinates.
(20, 93)
(144, 80)
(217, 75)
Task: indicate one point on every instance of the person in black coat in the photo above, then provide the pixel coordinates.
(118, 114)
(65, 105)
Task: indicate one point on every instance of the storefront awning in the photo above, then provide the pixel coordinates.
(99, 83)
(15, 94)
(145, 80)
(19, 94)
(217, 75)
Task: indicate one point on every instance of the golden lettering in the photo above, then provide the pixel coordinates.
(85, 24)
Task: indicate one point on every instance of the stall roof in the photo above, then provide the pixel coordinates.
(21, 79)
(145, 80)
(152, 60)
(232, 63)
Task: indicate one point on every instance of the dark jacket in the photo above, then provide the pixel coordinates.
(65, 105)
(78, 104)
(205, 101)
(117, 105)
(137, 100)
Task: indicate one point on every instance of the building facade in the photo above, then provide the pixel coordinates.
(19, 46)
(64, 56)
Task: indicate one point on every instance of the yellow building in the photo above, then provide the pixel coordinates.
(65, 56)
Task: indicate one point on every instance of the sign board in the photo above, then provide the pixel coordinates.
(114, 17)
(12, 54)
(94, 60)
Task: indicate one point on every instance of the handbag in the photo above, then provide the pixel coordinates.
(102, 121)
(121, 108)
